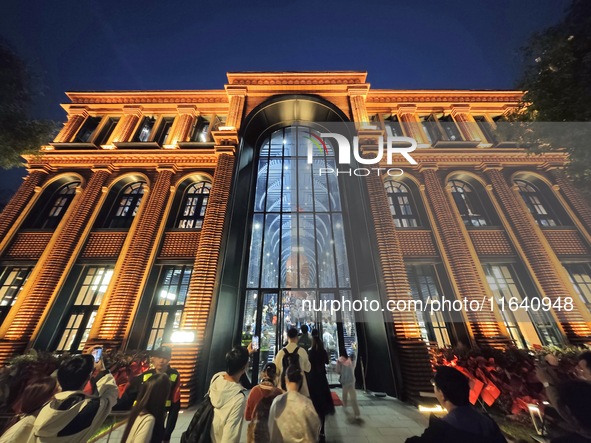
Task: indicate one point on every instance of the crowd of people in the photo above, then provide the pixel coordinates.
(289, 404)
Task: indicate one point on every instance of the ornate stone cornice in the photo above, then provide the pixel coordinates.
(433, 96)
(297, 78)
(118, 159)
(144, 97)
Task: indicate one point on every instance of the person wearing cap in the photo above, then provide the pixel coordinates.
(463, 423)
(72, 415)
(160, 365)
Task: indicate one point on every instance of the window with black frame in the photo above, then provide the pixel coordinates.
(580, 277)
(145, 130)
(55, 207)
(525, 326)
(85, 134)
(469, 204)
(193, 206)
(168, 303)
(538, 204)
(424, 286)
(12, 280)
(402, 205)
(87, 297)
(125, 206)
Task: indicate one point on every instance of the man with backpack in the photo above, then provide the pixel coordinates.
(292, 354)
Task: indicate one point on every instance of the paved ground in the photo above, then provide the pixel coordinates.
(382, 420)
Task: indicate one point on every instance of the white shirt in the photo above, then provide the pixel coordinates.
(292, 419)
(141, 431)
(304, 364)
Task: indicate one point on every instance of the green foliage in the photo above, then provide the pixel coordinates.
(19, 134)
(557, 81)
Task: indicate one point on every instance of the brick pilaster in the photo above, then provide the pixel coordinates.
(75, 119)
(574, 198)
(124, 130)
(183, 126)
(542, 260)
(237, 96)
(112, 326)
(19, 201)
(415, 360)
(38, 293)
(196, 312)
(408, 116)
(462, 263)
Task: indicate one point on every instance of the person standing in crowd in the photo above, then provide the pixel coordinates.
(462, 423)
(305, 341)
(149, 411)
(228, 398)
(36, 394)
(317, 382)
(160, 365)
(73, 416)
(259, 402)
(292, 418)
(346, 370)
(558, 421)
(288, 353)
(574, 398)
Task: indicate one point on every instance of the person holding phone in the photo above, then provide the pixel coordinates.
(73, 415)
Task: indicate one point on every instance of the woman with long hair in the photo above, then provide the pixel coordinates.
(259, 402)
(148, 413)
(35, 395)
(317, 382)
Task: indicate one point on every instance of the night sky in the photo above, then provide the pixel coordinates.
(130, 44)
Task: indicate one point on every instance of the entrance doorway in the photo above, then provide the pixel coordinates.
(298, 254)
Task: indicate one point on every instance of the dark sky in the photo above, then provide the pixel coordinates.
(130, 44)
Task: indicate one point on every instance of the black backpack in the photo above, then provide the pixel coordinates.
(288, 359)
(199, 430)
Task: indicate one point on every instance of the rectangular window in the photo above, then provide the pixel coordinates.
(12, 280)
(525, 327)
(164, 130)
(106, 131)
(486, 127)
(86, 132)
(580, 276)
(87, 297)
(201, 132)
(145, 130)
(167, 303)
(424, 286)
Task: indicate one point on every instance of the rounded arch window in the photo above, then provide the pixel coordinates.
(538, 203)
(193, 206)
(402, 205)
(125, 205)
(469, 203)
(53, 208)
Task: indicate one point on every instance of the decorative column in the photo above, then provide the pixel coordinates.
(357, 96)
(124, 130)
(40, 290)
(76, 117)
(465, 121)
(112, 324)
(237, 96)
(415, 359)
(407, 115)
(185, 120)
(462, 262)
(196, 312)
(547, 269)
(19, 201)
(574, 198)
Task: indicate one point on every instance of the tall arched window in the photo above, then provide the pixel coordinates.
(55, 207)
(469, 204)
(126, 206)
(402, 206)
(298, 253)
(537, 204)
(193, 206)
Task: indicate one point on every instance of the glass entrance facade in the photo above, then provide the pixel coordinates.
(297, 249)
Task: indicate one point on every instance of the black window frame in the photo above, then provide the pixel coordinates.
(196, 200)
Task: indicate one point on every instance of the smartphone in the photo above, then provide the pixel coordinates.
(97, 353)
(255, 343)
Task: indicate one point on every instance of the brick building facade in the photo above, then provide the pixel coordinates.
(162, 211)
